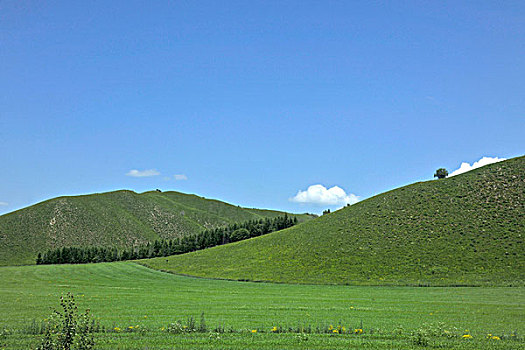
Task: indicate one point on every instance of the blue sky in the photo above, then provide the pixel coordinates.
(252, 101)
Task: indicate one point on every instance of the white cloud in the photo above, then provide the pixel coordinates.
(143, 173)
(3, 204)
(318, 194)
(483, 161)
(180, 177)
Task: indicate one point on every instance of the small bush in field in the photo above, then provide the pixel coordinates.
(191, 326)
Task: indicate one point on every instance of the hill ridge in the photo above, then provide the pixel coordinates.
(463, 230)
(117, 218)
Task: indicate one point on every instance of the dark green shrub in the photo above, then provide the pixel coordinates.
(239, 235)
(441, 173)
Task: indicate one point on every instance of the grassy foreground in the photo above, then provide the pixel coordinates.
(126, 294)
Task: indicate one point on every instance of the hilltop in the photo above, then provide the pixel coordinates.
(463, 230)
(121, 218)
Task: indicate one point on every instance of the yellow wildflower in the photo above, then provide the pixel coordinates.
(274, 329)
(358, 331)
(335, 331)
(254, 331)
(117, 329)
(495, 337)
(467, 336)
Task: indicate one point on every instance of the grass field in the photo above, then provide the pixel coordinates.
(127, 294)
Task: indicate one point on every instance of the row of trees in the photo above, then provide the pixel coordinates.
(165, 247)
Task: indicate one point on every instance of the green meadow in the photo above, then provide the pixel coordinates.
(125, 294)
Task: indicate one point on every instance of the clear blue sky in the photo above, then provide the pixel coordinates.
(253, 101)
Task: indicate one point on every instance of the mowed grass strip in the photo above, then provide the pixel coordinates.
(127, 294)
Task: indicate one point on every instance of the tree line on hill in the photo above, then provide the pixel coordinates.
(165, 247)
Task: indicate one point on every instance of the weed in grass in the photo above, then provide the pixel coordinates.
(35, 327)
(420, 337)
(301, 337)
(4, 332)
(428, 335)
(219, 329)
(202, 326)
(175, 328)
(215, 336)
(66, 329)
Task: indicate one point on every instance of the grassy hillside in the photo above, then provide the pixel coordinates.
(464, 230)
(126, 294)
(120, 218)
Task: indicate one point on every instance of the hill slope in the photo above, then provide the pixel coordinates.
(119, 218)
(464, 230)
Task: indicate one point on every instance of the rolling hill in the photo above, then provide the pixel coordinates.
(120, 218)
(463, 230)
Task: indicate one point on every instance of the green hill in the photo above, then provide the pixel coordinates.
(120, 218)
(463, 230)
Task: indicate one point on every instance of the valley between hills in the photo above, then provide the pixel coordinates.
(355, 278)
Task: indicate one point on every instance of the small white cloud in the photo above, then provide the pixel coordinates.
(483, 161)
(3, 204)
(180, 177)
(143, 173)
(318, 194)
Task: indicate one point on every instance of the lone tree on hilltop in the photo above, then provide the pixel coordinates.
(441, 173)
